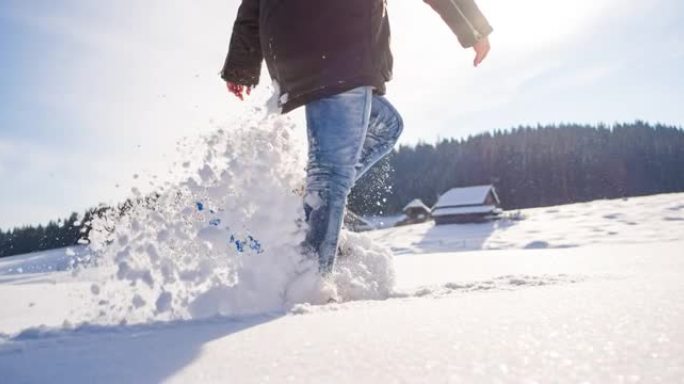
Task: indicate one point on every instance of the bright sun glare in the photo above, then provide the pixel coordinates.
(532, 23)
(518, 24)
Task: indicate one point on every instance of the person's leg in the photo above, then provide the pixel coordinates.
(336, 130)
(384, 128)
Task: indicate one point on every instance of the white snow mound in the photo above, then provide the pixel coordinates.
(226, 240)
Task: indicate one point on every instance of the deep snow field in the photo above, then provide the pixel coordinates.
(550, 298)
(205, 285)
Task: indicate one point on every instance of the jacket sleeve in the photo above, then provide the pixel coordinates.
(243, 62)
(464, 18)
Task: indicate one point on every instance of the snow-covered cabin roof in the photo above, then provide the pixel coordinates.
(356, 222)
(468, 196)
(416, 203)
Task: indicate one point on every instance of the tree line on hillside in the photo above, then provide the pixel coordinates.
(529, 166)
(532, 166)
(56, 234)
(65, 232)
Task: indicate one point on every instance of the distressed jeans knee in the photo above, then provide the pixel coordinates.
(384, 129)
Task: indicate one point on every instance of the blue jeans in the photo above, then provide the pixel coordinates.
(348, 133)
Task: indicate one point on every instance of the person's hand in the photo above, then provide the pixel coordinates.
(238, 89)
(481, 49)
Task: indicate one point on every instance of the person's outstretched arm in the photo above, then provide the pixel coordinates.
(243, 62)
(468, 23)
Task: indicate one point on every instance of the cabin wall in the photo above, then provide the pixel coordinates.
(461, 219)
(415, 213)
(490, 200)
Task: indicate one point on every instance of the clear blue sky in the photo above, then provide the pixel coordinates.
(91, 94)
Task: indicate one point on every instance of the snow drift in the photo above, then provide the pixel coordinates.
(226, 240)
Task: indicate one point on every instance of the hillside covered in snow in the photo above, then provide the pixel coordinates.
(590, 292)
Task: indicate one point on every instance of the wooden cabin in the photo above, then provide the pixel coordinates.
(467, 205)
(415, 212)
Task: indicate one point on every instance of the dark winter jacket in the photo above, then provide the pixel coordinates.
(318, 48)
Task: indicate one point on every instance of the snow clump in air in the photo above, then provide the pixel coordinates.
(225, 241)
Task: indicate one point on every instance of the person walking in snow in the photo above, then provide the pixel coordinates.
(333, 57)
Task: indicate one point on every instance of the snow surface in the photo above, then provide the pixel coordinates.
(45, 261)
(600, 313)
(652, 219)
(379, 222)
(207, 285)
